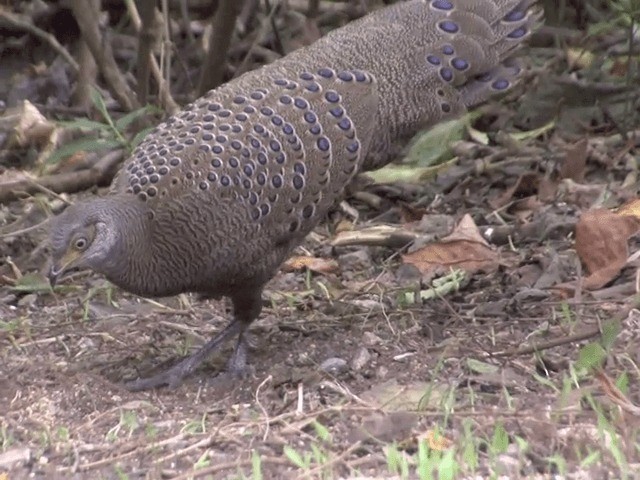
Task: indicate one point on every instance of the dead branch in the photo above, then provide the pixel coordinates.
(100, 174)
(223, 24)
(87, 15)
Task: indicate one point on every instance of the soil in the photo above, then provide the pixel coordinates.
(345, 368)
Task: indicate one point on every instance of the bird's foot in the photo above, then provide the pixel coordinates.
(174, 376)
(171, 378)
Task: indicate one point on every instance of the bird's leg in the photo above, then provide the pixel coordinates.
(246, 308)
(174, 375)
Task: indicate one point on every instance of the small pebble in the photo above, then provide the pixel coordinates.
(360, 359)
(334, 365)
(370, 339)
(355, 261)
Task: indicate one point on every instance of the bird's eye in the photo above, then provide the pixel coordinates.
(80, 243)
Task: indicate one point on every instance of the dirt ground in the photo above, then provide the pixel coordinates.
(348, 355)
(348, 373)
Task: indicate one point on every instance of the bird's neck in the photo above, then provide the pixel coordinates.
(133, 264)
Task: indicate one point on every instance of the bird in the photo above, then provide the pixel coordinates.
(215, 198)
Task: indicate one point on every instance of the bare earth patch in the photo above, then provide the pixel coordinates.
(345, 374)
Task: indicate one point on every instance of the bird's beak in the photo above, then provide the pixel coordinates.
(55, 272)
(58, 269)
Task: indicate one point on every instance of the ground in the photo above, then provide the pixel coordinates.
(522, 364)
(329, 364)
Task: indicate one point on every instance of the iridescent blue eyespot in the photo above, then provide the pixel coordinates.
(459, 64)
(344, 124)
(275, 145)
(299, 167)
(500, 84)
(332, 96)
(515, 16)
(298, 182)
(518, 33)
(442, 4)
(360, 77)
(353, 147)
(446, 74)
(323, 144)
(448, 26)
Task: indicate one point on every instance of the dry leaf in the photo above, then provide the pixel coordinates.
(575, 161)
(464, 249)
(601, 243)
(630, 209)
(437, 441)
(525, 186)
(318, 265)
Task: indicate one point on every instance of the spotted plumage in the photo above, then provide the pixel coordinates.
(217, 196)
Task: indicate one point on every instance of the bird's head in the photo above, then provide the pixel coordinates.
(86, 236)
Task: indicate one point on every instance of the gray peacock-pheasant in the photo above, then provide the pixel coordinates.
(216, 197)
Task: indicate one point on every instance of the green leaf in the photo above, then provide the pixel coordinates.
(500, 440)
(98, 102)
(294, 457)
(256, 466)
(32, 283)
(610, 331)
(322, 432)
(140, 136)
(85, 124)
(477, 366)
(434, 146)
(123, 122)
(83, 144)
(591, 356)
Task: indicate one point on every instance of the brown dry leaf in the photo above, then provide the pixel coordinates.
(466, 230)
(575, 161)
(525, 208)
(379, 235)
(28, 124)
(619, 68)
(410, 214)
(437, 442)
(630, 209)
(584, 196)
(464, 249)
(579, 58)
(318, 265)
(547, 189)
(526, 186)
(344, 226)
(615, 394)
(601, 243)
